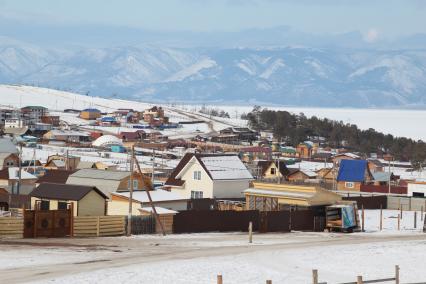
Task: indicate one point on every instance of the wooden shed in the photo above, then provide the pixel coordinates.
(274, 197)
(165, 215)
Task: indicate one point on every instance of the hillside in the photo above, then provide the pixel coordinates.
(332, 77)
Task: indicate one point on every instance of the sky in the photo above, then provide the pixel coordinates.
(375, 19)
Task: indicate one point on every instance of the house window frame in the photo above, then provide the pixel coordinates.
(197, 175)
(349, 184)
(197, 194)
(273, 171)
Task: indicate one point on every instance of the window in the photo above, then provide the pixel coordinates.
(272, 171)
(45, 205)
(135, 184)
(349, 185)
(196, 194)
(197, 175)
(62, 205)
(418, 194)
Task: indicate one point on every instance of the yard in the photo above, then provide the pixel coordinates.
(198, 258)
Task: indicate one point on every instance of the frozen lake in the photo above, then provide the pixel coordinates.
(407, 123)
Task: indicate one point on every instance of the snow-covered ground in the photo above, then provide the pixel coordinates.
(198, 258)
(335, 263)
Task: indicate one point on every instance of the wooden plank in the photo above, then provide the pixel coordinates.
(121, 233)
(108, 230)
(111, 226)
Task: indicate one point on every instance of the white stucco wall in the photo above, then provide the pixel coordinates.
(205, 184)
(416, 187)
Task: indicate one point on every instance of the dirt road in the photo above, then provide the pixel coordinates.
(119, 252)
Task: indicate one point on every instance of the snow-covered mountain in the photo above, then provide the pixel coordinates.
(288, 76)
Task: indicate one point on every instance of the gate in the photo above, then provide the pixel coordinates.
(47, 223)
(142, 224)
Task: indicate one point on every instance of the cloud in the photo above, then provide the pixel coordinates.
(372, 35)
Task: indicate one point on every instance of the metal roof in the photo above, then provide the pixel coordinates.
(7, 146)
(58, 191)
(100, 174)
(352, 170)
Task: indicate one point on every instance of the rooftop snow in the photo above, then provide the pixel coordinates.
(226, 167)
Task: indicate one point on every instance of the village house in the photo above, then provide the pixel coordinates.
(90, 114)
(273, 169)
(71, 136)
(86, 200)
(51, 119)
(8, 153)
(275, 197)
(209, 176)
(327, 175)
(9, 178)
(151, 113)
(304, 150)
(242, 133)
(416, 189)
(249, 154)
(352, 174)
(59, 162)
(344, 156)
(33, 114)
(106, 181)
(137, 136)
(300, 175)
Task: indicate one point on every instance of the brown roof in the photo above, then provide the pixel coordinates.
(4, 173)
(178, 182)
(56, 176)
(59, 191)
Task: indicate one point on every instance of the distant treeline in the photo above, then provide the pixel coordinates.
(293, 129)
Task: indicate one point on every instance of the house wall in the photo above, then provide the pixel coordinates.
(341, 185)
(268, 174)
(119, 207)
(54, 204)
(229, 188)
(10, 161)
(417, 188)
(205, 184)
(91, 205)
(299, 176)
(177, 205)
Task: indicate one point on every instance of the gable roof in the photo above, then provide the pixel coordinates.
(100, 174)
(352, 170)
(217, 167)
(55, 176)
(59, 191)
(383, 176)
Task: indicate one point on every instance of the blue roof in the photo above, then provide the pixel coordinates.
(91, 110)
(108, 119)
(352, 170)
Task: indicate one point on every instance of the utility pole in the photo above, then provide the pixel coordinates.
(20, 169)
(278, 172)
(129, 216)
(153, 166)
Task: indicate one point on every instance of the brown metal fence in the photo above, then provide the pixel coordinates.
(369, 202)
(209, 221)
(264, 221)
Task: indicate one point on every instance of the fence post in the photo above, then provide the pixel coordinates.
(315, 276)
(97, 226)
(381, 218)
(400, 212)
(409, 204)
(219, 279)
(250, 232)
(415, 219)
(359, 280)
(399, 221)
(268, 281)
(421, 217)
(363, 219)
(396, 274)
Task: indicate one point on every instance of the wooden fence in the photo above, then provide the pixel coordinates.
(11, 227)
(99, 226)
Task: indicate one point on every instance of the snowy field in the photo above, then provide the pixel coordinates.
(198, 258)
